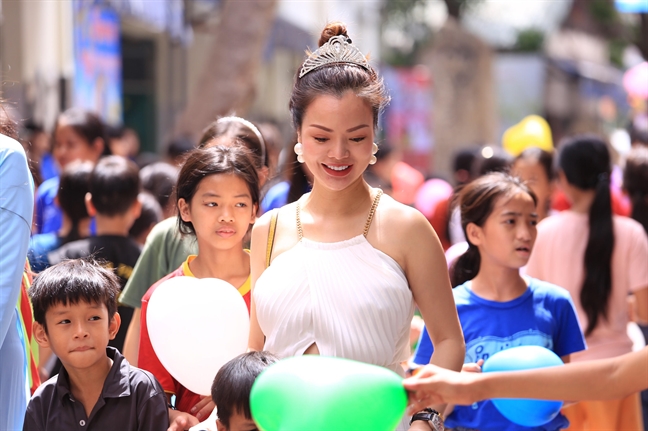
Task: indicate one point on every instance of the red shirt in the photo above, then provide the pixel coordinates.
(148, 360)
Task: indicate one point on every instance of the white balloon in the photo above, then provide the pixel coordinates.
(195, 327)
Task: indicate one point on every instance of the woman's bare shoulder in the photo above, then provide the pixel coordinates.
(401, 217)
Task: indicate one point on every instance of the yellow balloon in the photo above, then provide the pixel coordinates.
(532, 131)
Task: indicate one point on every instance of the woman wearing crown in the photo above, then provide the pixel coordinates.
(343, 268)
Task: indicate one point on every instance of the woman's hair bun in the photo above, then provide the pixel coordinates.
(332, 29)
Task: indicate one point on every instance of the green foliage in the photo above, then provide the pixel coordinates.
(529, 40)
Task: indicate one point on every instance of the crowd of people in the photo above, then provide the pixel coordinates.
(329, 260)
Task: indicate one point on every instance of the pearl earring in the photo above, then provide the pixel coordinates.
(374, 150)
(299, 150)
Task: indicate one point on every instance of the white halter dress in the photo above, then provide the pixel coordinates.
(350, 299)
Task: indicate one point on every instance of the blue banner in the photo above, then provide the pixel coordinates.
(97, 83)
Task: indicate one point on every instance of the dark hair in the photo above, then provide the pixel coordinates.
(476, 202)
(114, 185)
(86, 124)
(74, 184)
(179, 147)
(150, 216)
(499, 161)
(235, 159)
(245, 132)
(335, 79)
(72, 281)
(585, 161)
(159, 179)
(297, 178)
(538, 155)
(635, 182)
(233, 384)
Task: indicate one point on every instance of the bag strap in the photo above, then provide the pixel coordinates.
(271, 236)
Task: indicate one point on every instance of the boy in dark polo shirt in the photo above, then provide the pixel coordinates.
(75, 312)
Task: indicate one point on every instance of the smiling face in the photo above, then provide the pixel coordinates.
(508, 235)
(337, 136)
(221, 211)
(78, 333)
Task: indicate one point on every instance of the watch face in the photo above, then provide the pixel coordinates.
(437, 423)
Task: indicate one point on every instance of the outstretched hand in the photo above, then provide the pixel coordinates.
(435, 385)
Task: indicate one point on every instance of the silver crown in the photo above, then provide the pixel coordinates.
(338, 49)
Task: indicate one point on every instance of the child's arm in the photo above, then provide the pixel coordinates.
(592, 380)
(131, 343)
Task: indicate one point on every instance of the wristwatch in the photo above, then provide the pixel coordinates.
(431, 416)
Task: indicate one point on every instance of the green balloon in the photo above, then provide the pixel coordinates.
(318, 393)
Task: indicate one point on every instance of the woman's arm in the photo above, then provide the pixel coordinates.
(258, 247)
(602, 379)
(427, 273)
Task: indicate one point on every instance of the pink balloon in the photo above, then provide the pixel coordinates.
(430, 194)
(635, 81)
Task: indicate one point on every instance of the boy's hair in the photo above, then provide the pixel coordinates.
(233, 383)
(72, 281)
(114, 184)
(74, 184)
(150, 216)
(160, 179)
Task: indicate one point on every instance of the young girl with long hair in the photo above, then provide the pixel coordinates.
(165, 249)
(348, 264)
(217, 198)
(600, 259)
(498, 308)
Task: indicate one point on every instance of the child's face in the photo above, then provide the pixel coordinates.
(535, 176)
(508, 235)
(221, 211)
(70, 146)
(237, 422)
(78, 333)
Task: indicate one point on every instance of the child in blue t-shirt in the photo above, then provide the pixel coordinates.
(497, 307)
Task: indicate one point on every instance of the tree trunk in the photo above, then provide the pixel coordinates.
(227, 82)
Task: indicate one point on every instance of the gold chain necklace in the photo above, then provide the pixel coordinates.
(365, 232)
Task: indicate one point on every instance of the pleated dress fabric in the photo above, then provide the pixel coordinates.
(350, 299)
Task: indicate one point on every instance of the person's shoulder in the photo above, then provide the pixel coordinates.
(163, 229)
(628, 226)
(401, 215)
(461, 294)
(143, 383)
(550, 290)
(11, 150)
(48, 187)
(45, 392)
(71, 250)
(556, 221)
(178, 272)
